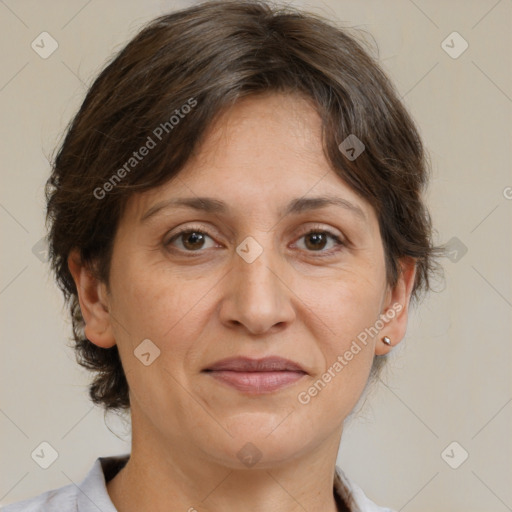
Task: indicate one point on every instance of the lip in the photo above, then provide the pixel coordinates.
(256, 376)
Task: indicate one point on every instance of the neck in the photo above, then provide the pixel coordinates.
(170, 475)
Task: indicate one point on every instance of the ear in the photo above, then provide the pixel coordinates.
(92, 295)
(396, 307)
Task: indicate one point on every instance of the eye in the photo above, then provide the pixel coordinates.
(191, 239)
(316, 240)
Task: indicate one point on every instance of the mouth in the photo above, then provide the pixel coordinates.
(256, 376)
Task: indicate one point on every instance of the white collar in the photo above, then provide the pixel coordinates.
(92, 492)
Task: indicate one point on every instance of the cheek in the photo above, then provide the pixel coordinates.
(170, 310)
(159, 304)
(347, 354)
(345, 304)
(347, 311)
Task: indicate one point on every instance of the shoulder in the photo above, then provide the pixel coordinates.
(352, 493)
(90, 495)
(62, 500)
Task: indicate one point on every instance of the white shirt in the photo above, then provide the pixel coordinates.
(91, 494)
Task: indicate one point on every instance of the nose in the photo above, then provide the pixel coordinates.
(257, 297)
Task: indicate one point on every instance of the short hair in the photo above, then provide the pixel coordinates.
(207, 57)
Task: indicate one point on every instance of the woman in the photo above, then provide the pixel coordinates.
(237, 223)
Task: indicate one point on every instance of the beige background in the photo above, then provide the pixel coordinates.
(451, 377)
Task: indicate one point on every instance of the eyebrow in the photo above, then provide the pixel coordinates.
(296, 206)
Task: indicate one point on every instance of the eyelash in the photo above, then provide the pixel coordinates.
(318, 254)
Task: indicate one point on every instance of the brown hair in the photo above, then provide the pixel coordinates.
(207, 57)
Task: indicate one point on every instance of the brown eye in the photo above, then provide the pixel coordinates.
(190, 240)
(315, 240)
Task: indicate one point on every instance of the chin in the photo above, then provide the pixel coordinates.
(264, 440)
(258, 454)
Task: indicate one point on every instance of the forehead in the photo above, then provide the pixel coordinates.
(269, 128)
(263, 152)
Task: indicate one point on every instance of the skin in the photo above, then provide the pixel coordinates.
(187, 427)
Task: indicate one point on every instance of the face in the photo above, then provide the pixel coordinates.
(260, 269)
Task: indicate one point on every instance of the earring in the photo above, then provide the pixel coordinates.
(387, 341)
